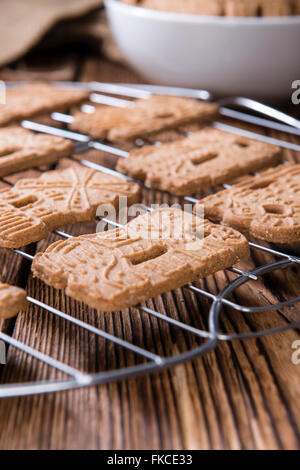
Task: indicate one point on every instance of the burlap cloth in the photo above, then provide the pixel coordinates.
(23, 23)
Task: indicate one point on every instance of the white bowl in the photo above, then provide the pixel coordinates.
(257, 57)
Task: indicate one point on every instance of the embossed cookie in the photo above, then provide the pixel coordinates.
(144, 117)
(34, 207)
(265, 206)
(21, 149)
(37, 98)
(12, 300)
(152, 254)
(207, 158)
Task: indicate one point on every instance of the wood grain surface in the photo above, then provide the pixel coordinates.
(243, 395)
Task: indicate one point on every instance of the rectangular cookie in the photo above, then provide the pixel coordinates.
(37, 98)
(34, 207)
(21, 149)
(143, 118)
(207, 158)
(154, 253)
(266, 206)
(12, 300)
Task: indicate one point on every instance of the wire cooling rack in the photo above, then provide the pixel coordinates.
(269, 118)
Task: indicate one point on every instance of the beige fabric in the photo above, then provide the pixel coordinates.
(24, 22)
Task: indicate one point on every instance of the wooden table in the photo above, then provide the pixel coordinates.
(244, 395)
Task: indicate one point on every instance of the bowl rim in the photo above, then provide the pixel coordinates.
(168, 16)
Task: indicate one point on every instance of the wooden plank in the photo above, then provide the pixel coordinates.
(244, 395)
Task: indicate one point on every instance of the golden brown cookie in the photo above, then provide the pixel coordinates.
(266, 206)
(12, 300)
(207, 158)
(37, 98)
(143, 118)
(34, 207)
(21, 149)
(152, 254)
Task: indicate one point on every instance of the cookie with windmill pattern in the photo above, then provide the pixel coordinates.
(34, 207)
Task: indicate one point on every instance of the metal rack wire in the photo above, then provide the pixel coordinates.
(212, 335)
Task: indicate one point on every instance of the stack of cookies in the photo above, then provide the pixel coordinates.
(223, 7)
(165, 248)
